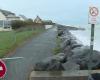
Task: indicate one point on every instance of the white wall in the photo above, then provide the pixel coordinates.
(2, 17)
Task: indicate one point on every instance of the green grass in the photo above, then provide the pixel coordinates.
(10, 40)
(57, 49)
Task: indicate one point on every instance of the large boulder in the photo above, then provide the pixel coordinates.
(53, 63)
(64, 37)
(80, 52)
(61, 57)
(60, 32)
(65, 43)
(71, 66)
(75, 43)
(81, 56)
(95, 62)
(71, 41)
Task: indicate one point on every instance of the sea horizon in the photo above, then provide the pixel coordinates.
(84, 36)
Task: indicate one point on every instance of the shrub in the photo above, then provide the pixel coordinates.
(17, 24)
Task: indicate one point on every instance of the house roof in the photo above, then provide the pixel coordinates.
(6, 13)
(38, 19)
(12, 16)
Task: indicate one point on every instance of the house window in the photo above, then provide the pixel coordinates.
(6, 27)
(1, 23)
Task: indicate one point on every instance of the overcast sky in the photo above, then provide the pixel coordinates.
(63, 11)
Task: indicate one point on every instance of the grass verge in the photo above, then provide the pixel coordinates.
(11, 40)
(57, 49)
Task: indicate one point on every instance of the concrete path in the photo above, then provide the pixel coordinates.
(36, 50)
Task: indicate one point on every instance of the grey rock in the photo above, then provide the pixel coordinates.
(52, 63)
(80, 51)
(77, 54)
(71, 66)
(60, 32)
(81, 56)
(65, 44)
(61, 57)
(75, 43)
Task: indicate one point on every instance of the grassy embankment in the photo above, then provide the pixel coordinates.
(57, 49)
(11, 40)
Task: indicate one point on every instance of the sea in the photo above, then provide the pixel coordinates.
(85, 35)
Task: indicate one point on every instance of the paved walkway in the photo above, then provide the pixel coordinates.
(36, 50)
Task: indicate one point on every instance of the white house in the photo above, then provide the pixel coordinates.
(5, 19)
(7, 15)
(48, 23)
(38, 20)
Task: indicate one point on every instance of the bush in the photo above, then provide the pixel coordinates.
(17, 24)
(29, 22)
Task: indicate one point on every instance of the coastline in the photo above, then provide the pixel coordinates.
(76, 51)
(84, 37)
(73, 55)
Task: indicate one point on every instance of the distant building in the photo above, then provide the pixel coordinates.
(7, 15)
(23, 18)
(47, 23)
(5, 20)
(38, 20)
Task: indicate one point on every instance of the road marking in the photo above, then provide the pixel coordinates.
(12, 58)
